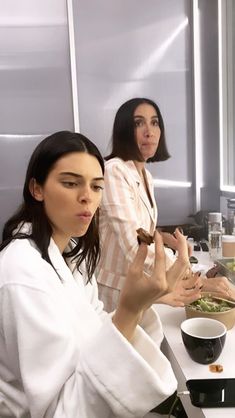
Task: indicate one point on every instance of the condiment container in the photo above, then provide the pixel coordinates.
(228, 245)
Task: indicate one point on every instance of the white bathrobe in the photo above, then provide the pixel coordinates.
(60, 354)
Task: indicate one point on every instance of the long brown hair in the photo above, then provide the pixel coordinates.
(41, 163)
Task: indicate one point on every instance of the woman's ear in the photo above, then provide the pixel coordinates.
(36, 190)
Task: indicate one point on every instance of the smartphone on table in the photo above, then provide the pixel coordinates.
(212, 393)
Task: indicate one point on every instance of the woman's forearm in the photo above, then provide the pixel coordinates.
(126, 321)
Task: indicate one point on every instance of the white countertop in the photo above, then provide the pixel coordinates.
(184, 367)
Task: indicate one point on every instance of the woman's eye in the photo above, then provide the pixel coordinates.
(97, 187)
(69, 184)
(138, 123)
(156, 123)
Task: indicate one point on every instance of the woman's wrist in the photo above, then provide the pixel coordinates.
(126, 321)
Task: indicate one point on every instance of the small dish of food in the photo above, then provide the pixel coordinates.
(209, 306)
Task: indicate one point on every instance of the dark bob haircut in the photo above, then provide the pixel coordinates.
(124, 143)
(42, 161)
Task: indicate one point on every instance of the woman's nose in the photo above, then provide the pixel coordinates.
(84, 195)
(148, 130)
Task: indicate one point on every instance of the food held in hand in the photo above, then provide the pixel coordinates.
(144, 236)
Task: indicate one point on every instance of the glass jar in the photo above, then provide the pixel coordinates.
(215, 235)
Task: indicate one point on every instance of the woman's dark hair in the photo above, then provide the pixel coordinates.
(124, 143)
(46, 154)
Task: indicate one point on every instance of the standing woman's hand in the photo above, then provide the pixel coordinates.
(180, 268)
(185, 290)
(140, 291)
(184, 286)
(171, 241)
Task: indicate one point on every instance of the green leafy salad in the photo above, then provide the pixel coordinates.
(207, 304)
(230, 265)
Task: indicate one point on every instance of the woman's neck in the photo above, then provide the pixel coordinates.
(139, 167)
(60, 241)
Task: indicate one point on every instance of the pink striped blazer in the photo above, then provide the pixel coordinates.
(125, 207)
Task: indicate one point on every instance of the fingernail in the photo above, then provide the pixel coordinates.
(180, 229)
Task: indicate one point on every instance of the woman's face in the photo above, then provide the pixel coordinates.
(147, 130)
(71, 194)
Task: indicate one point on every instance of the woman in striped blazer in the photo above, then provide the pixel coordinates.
(128, 200)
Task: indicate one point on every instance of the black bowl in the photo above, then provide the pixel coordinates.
(203, 339)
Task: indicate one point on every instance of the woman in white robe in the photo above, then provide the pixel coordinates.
(61, 355)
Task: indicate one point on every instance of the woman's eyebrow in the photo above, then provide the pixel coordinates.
(142, 117)
(70, 173)
(98, 178)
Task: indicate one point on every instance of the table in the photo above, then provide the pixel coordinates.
(185, 368)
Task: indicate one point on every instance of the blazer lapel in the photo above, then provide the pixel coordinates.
(141, 190)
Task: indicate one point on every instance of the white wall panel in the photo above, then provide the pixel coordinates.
(35, 86)
(35, 80)
(131, 48)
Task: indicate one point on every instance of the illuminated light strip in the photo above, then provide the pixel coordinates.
(73, 65)
(22, 136)
(171, 183)
(227, 188)
(221, 104)
(197, 105)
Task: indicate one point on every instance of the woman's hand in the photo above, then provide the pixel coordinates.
(219, 286)
(184, 286)
(171, 241)
(180, 268)
(140, 291)
(185, 290)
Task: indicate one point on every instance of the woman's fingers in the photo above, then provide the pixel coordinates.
(137, 265)
(169, 240)
(192, 280)
(159, 272)
(217, 284)
(182, 245)
(190, 249)
(159, 252)
(190, 297)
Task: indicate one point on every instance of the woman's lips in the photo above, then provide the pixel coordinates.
(84, 216)
(148, 144)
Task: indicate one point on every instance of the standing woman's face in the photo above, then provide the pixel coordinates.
(71, 194)
(147, 130)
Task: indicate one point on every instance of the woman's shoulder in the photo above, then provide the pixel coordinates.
(117, 165)
(19, 260)
(19, 248)
(114, 162)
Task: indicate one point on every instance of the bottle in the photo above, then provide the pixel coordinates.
(215, 235)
